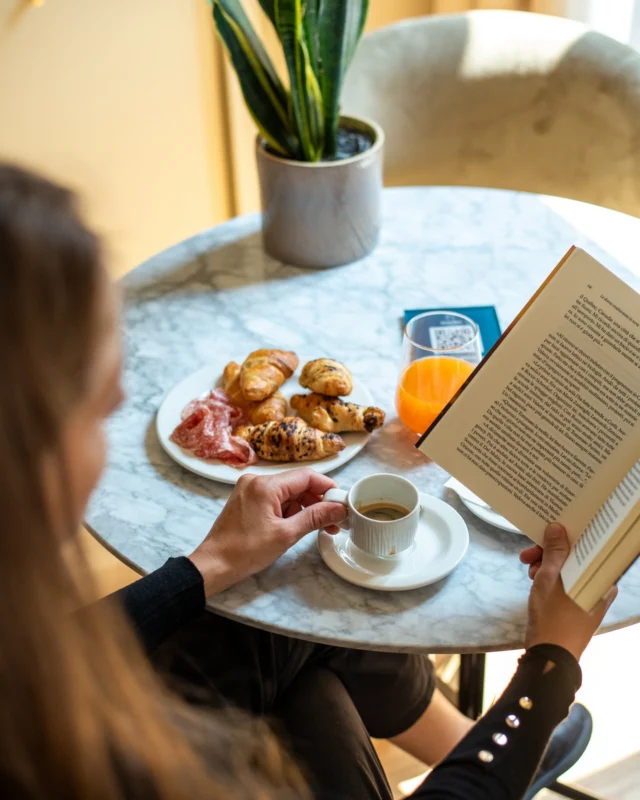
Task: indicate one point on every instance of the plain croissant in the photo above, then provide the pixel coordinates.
(273, 408)
(264, 371)
(326, 376)
(291, 439)
(333, 415)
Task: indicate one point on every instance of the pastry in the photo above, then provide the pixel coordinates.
(273, 408)
(264, 371)
(326, 376)
(291, 439)
(333, 415)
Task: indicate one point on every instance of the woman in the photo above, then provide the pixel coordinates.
(82, 712)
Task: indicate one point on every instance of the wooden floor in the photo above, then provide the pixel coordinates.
(109, 572)
(616, 780)
(619, 781)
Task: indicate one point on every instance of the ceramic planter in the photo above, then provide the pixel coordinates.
(322, 214)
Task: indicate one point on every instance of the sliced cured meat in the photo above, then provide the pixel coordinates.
(216, 401)
(189, 432)
(226, 447)
(207, 427)
(219, 404)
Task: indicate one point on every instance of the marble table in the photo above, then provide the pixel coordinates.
(219, 293)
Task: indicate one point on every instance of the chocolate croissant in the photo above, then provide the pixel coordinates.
(291, 439)
(273, 408)
(264, 371)
(326, 376)
(333, 415)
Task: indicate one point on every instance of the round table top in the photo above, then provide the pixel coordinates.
(219, 293)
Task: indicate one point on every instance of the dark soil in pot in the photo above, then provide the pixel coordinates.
(351, 142)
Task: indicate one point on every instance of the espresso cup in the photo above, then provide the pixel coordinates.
(372, 503)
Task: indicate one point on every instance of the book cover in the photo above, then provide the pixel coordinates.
(485, 318)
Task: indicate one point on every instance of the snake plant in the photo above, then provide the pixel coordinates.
(318, 38)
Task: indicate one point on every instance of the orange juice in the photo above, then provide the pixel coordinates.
(426, 386)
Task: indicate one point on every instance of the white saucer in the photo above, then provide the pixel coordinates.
(440, 545)
(477, 506)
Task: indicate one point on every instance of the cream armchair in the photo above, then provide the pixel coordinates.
(504, 99)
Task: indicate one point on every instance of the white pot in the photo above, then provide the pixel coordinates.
(325, 213)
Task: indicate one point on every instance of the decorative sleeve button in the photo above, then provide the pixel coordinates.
(485, 756)
(526, 703)
(513, 721)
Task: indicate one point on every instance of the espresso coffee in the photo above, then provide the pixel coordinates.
(384, 512)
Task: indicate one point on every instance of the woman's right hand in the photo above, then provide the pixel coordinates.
(554, 618)
(262, 519)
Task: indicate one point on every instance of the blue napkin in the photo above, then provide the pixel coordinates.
(485, 318)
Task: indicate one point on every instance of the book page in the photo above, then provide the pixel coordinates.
(547, 425)
(610, 569)
(616, 514)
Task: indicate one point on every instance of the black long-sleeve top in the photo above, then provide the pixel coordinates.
(498, 757)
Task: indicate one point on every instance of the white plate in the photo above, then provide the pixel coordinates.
(478, 507)
(205, 379)
(441, 543)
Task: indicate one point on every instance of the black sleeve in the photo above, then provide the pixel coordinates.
(482, 767)
(163, 601)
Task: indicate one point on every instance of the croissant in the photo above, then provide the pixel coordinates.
(334, 415)
(291, 439)
(264, 371)
(273, 408)
(326, 376)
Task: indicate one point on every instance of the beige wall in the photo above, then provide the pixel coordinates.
(132, 103)
(385, 12)
(381, 13)
(124, 100)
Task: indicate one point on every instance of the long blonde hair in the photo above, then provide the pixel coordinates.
(81, 712)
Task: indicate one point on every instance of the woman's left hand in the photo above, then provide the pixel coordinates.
(554, 618)
(262, 519)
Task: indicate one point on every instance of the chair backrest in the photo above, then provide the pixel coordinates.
(504, 99)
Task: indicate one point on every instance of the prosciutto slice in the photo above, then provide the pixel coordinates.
(207, 429)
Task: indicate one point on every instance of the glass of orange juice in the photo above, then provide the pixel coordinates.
(440, 350)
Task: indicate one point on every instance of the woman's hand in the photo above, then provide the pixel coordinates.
(262, 519)
(553, 616)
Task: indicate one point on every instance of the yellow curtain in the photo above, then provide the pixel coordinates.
(241, 132)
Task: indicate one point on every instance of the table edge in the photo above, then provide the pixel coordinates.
(383, 648)
(211, 608)
(116, 553)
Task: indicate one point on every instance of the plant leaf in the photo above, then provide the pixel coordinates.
(357, 11)
(306, 97)
(269, 8)
(310, 25)
(340, 26)
(234, 11)
(264, 101)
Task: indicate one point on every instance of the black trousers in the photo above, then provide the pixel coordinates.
(327, 701)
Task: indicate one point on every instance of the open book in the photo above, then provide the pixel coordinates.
(547, 427)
